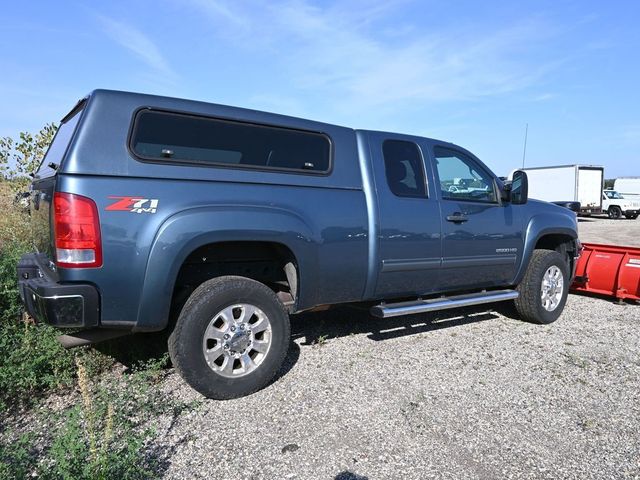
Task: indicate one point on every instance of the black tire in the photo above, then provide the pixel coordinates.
(631, 216)
(529, 304)
(186, 340)
(614, 212)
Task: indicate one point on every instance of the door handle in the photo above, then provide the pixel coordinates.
(457, 217)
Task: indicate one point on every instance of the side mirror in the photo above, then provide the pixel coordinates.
(519, 191)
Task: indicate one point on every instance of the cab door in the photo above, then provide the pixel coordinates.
(408, 216)
(482, 238)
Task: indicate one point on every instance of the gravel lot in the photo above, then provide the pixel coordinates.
(603, 230)
(471, 393)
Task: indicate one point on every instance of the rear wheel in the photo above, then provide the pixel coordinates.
(544, 288)
(614, 212)
(231, 337)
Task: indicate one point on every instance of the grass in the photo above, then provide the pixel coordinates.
(32, 363)
(16, 460)
(31, 360)
(105, 434)
(99, 439)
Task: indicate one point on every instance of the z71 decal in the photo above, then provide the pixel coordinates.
(133, 204)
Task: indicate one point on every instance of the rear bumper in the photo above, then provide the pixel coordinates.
(590, 210)
(47, 300)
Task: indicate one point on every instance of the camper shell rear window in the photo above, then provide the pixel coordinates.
(171, 137)
(56, 151)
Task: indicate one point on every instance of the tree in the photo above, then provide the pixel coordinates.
(21, 158)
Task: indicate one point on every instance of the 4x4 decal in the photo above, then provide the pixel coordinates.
(133, 204)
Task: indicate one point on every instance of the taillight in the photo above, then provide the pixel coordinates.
(77, 231)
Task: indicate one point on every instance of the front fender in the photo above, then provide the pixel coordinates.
(547, 223)
(188, 230)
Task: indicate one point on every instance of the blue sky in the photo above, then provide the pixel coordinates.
(470, 72)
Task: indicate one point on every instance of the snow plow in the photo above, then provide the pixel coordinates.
(610, 270)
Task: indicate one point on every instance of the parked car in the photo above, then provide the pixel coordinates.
(616, 205)
(216, 223)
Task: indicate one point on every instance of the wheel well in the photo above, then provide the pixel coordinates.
(270, 263)
(563, 244)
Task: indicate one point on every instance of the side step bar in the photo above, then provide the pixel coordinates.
(386, 310)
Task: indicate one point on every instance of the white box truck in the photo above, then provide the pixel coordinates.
(563, 183)
(628, 187)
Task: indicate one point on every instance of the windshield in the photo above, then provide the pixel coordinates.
(613, 195)
(59, 145)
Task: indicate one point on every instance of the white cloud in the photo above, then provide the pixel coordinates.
(139, 44)
(217, 10)
(347, 53)
(543, 97)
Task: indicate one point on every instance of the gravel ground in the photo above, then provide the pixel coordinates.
(604, 230)
(462, 394)
(471, 393)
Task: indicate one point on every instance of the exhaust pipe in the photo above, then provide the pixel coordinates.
(91, 336)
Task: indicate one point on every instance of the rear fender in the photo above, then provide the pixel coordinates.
(188, 230)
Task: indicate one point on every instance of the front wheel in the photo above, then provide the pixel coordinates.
(231, 337)
(544, 288)
(614, 212)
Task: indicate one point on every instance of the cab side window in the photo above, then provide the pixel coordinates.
(461, 178)
(403, 167)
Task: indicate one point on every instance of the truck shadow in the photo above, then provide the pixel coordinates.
(316, 327)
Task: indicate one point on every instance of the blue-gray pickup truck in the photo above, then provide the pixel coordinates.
(216, 223)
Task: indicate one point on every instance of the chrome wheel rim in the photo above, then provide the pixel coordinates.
(237, 340)
(552, 288)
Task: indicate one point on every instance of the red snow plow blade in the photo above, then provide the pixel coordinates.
(609, 270)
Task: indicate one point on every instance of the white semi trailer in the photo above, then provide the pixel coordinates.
(628, 187)
(563, 183)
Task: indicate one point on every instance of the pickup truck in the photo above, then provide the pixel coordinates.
(616, 205)
(215, 223)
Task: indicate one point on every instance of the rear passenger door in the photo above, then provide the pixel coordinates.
(408, 216)
(482, 237)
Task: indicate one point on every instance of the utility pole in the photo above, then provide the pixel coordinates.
(524, 153)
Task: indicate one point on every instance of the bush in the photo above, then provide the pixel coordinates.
(98, 440)
(31, 359)
(16, 460)
(104, 436)
(21, 157)
(10, 305)
(31, 362)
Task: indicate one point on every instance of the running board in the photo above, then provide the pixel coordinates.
(386, 310)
